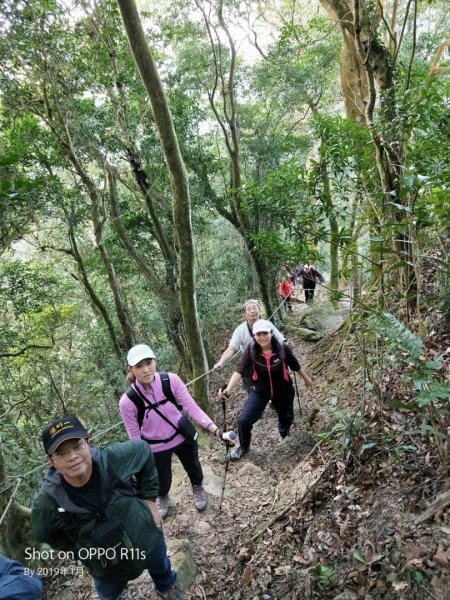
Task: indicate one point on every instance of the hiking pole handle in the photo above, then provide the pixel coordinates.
(229, 440)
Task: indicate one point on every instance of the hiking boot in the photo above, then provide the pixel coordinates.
(173, 593)
(163, 505)
(237, 453)
(284, 438)
(200, 497)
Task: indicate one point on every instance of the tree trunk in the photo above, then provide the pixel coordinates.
(98, 222)
(327, 202)
(119, 300)
(371, 57)
(180, 193)
(93, 297)
(165, 293)
(224, 86)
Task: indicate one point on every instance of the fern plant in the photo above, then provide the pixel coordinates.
(399, 335)
(405, 349)
(324, 574)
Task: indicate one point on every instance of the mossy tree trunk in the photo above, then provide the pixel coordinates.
(16, 523)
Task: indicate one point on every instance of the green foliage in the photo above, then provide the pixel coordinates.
(405, 350)
(287, 221)
(324, 574)
(359, 556)
(61, 73)
(344, 427)
(398, 335)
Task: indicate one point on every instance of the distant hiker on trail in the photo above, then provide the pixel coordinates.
(309, 276)
(265, 362)
(285, 289)
(98, 505)
(17, 582)
(151, 410)
(243, 335)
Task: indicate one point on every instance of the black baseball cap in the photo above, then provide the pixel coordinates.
(60, 430)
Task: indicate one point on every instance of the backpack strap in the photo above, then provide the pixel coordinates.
(139, 403)
(167, 390)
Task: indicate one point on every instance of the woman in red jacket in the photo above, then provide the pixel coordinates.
(285, 289)
(265, 362)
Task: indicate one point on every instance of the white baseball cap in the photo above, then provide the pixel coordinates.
(262, 325)
(138, 353)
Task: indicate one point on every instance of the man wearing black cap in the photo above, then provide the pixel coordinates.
(99, 506)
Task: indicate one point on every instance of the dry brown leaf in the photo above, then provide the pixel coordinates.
(399, 585)
(300, 559)
(247, 576)
(442, 557)
(283, 570)
(381, 585)
(415, 551)
(344, 526)
(413, 562)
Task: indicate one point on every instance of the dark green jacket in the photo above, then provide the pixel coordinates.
(57, 521)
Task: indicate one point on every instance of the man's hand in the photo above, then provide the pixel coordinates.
(155, 513)
(217, 366)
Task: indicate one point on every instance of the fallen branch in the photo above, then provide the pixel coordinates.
(440, 502)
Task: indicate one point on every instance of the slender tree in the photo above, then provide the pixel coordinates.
(180, 191)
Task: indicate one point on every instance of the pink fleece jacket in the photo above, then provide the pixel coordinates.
(154, 427)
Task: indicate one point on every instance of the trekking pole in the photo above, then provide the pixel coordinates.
(298, 395)
(227, 448)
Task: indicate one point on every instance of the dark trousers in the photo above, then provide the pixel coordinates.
(309, 294)
(288, 304)
(158, 565)
(188, 457)
(253, 409)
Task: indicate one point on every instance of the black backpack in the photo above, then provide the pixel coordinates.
(139, 401)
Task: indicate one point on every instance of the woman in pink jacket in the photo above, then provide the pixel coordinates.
(159, 423)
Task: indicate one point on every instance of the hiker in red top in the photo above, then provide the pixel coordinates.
(285, 289)
(265, 362)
